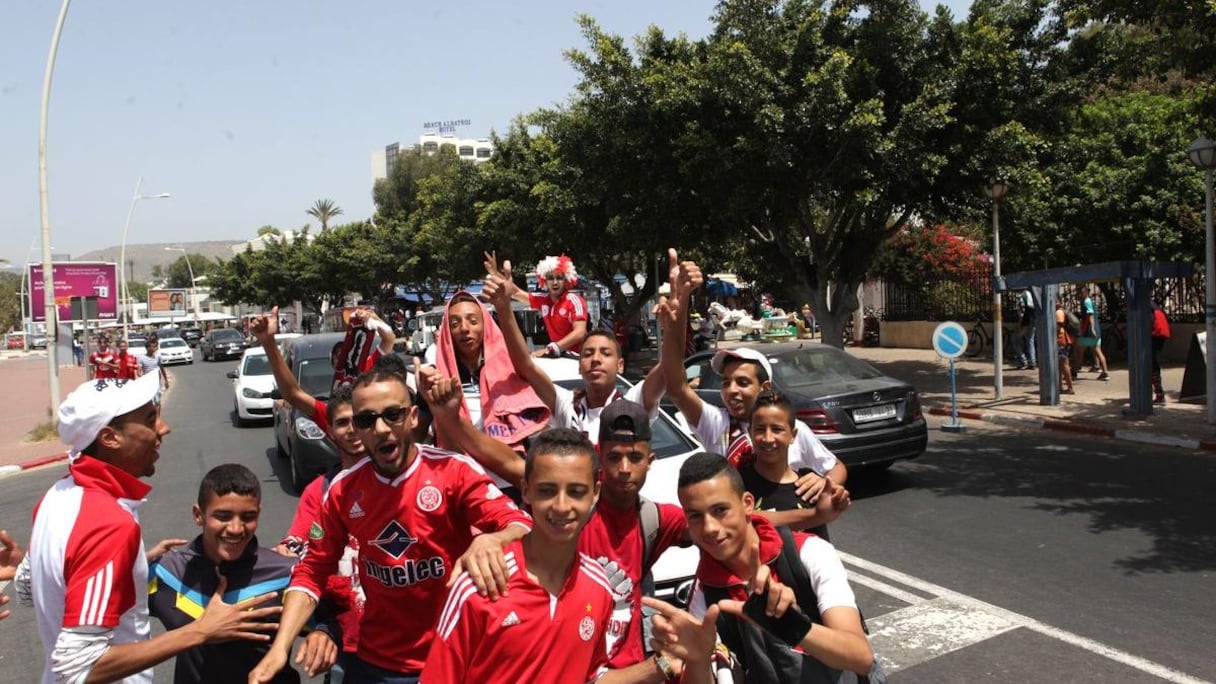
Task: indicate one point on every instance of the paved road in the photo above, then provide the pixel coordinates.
(1001, 555)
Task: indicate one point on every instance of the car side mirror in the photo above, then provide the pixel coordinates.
(232, 375)
(276, 394)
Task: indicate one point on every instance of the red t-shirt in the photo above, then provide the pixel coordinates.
(320, 414)
(524, 636)
(615, 535)
(342, 590)
(559, 317)
(410, 530)
(128, 366)
(99, 357)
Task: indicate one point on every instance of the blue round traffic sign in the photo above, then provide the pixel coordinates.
(950, 340)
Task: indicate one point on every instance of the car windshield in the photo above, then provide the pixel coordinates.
(172, 342)
(316, 377)
(136, 343)
(814, 366)
(226, 335)
(666, 439)
(256, 364)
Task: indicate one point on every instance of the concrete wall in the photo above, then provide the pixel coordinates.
(919, 335)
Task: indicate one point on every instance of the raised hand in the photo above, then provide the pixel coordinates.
(499, 285)
(677, 634)
(10, 556)
(266, 326)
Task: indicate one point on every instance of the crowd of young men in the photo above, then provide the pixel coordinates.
(416, 557)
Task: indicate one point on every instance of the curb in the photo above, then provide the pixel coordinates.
(33, 463)
(1076, 428)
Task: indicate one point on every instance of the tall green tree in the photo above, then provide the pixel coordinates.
(324, 210)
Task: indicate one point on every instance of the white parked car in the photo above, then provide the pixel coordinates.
(673, 572)
(252, 384)
(174, 350)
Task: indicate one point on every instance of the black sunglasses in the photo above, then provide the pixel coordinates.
(392, 415)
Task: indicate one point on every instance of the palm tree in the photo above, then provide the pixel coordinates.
(323, 210)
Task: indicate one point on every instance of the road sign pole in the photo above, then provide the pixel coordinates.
(953, 425)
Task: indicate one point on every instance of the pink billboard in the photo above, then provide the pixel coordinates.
(76, 279)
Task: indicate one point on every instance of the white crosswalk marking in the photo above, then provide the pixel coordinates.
(948, 621)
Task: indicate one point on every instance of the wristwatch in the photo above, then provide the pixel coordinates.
(665, 668)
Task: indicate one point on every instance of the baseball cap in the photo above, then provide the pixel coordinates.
(743, 353)
(91, 406)
(624, 421)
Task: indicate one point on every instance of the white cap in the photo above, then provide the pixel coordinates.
(744, 353)
(91, 406)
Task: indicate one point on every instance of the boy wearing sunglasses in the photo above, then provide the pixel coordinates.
(411, 508)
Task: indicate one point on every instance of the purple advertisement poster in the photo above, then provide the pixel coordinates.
(76, 279)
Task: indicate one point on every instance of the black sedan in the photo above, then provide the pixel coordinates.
(866, 418)
(222, 343)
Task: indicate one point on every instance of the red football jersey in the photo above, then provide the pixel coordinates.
(342, 591)
(409, 530)
(615, 535)
(128, 366)
(107, 356)
(559, 316)
(87, 558)
(527, 635)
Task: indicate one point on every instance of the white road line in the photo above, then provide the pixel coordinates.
(1017, 620)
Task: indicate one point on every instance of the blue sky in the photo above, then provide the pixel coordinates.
(249, 111)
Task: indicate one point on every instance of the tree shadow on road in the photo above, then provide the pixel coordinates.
(1164, 493)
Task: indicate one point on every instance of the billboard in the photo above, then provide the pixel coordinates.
(162, 302)
(76, 279)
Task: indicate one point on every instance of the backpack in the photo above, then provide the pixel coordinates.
(648, 513)
(1072, 324)
(790, 569)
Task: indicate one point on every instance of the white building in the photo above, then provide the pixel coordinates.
(471, 149)
(259, 243)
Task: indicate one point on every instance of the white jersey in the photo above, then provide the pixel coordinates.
(805, 452)
(568, 414)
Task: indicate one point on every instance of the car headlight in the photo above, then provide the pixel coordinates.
(308, 429)
(251, 393)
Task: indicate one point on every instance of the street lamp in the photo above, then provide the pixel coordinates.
(122, 252)
(44, 215)
(186, 255)
(996, 191)
(1203, 154)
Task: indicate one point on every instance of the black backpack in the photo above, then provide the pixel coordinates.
(789, 567)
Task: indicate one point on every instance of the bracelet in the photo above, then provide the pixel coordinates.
(554, 349)
(665, 668)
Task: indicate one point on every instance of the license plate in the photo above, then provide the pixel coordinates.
(873, 413)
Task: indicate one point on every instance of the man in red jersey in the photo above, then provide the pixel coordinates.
(128, 364)
(564, 312)
(615, 535)
(528, 635)
(411, 508)
(103, 360)
(342, 591)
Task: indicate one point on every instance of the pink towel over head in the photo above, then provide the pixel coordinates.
(510, 409)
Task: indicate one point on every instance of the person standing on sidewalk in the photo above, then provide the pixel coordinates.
(1026, 353)
(1064, 342)
(128, 365)
(1160, 335)
(1091, 337)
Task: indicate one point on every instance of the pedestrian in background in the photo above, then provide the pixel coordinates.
(1064, 342)
(1160, 335)
(1026, 352)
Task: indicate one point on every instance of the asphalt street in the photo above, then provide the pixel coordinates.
(1000, 555)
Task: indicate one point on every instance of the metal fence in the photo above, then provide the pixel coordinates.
(968, 297)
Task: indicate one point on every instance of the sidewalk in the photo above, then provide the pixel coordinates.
(1096, 408)
(24, 377)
